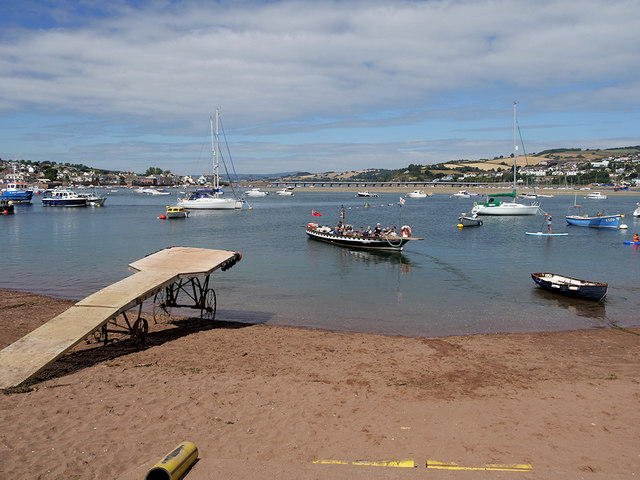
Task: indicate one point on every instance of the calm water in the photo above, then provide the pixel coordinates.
(474, 280)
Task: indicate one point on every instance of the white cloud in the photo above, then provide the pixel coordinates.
(284, 67)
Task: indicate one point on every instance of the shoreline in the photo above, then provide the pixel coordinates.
(264, 401)
(450, 190)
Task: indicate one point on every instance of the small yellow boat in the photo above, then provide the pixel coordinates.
(176, 212)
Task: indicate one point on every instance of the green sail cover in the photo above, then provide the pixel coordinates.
(512, 194)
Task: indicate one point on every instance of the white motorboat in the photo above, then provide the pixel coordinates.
(417, 194)
(284, 191)
(255, 192)
(158, 191)
(366, 193)
(596, 196)
(93, 199)
(211, 199)
(145, 190)
(464, 194)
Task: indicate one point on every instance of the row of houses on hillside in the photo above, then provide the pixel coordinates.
(14, 171)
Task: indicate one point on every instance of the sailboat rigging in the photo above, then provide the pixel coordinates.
(494, 206)
(210, 199)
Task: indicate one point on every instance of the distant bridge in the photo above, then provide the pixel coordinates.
(361, 184)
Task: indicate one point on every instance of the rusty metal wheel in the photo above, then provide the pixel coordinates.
(208, 311)
(162, 307)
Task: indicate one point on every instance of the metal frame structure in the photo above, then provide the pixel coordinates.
(195, 291)
(172, 296)
(176, 277)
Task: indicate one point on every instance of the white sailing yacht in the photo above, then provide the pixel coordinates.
(210, 199)
(494, 205)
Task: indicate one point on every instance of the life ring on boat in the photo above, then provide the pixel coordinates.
(406, 231)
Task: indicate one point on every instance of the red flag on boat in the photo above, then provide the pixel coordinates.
(316, 214)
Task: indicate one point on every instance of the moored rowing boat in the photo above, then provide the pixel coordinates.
(571, 287)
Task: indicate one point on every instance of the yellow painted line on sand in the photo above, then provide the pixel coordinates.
(401, 463)
(331, 462)
(432, 464)
(523, 467)
(393, 463)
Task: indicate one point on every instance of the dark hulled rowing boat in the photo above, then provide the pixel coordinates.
(571, 287)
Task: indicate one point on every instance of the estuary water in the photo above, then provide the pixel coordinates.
(455, 281)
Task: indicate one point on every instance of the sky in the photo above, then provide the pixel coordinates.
(313, 86)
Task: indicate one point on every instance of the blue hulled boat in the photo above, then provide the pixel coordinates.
(600, 220)
(571, 287)
(62, 197)
(17, 192)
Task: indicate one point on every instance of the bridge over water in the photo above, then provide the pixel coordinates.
(361, 184)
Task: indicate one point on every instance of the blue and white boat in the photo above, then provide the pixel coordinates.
(17, 192)
(159, 191)
(600, 220)
(63, 197)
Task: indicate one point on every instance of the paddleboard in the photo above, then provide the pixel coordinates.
(540, 234)
(628, 242)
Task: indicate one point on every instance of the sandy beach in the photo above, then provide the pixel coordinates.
(289, 403)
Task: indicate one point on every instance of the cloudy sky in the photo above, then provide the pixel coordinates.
(313, 85)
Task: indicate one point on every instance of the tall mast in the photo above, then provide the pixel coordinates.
(515, 145)
(214, 151)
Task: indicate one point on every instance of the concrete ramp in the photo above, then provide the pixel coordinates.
(23, 359)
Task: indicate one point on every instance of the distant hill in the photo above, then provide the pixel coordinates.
(433, 171)
(555, 155)
(248, 177)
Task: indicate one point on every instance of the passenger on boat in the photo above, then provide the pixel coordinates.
(377, 231)
(393, 232)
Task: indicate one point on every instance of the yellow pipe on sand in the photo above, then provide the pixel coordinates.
(175, 463)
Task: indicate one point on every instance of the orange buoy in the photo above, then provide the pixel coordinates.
(162, 217)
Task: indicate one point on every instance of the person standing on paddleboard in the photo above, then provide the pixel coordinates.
(548, 222)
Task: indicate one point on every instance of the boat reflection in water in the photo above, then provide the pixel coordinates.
(377, 257)
(582, 308)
